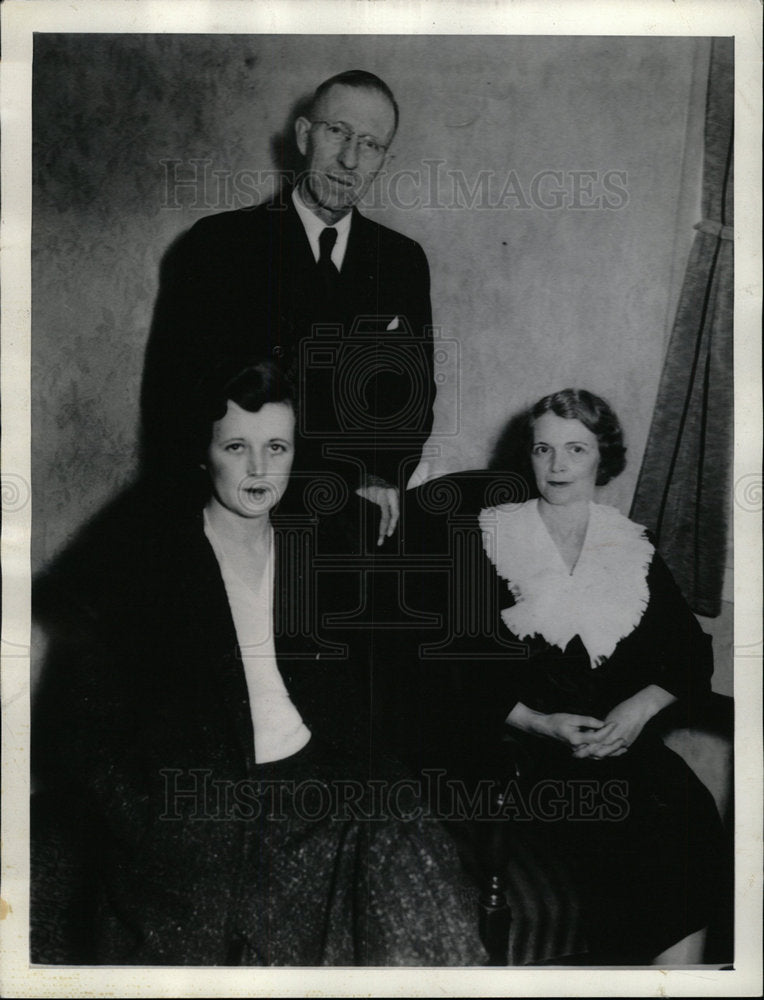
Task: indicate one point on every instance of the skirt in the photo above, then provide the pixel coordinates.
(637, 838)
(342, 870)
(310, 863)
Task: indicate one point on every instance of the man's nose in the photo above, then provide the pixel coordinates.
(349, 153)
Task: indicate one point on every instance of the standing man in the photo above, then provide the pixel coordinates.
(341, 302)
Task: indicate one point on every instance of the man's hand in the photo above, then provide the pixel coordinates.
(386, 498)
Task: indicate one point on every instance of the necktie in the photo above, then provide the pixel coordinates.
(326, 268)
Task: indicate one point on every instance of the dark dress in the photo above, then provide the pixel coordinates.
(610, 860)
(638, 832)
(157, 836)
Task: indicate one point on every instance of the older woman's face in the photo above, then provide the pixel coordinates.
(250, 457)
(565, 456)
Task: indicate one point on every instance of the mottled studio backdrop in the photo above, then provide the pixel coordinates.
(553, 183)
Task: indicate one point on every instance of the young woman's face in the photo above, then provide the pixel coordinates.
(250, 457)
(565, 456)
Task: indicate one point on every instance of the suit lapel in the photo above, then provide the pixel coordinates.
(361, 264)
(299, 306)
(291, 240)
(290, 277)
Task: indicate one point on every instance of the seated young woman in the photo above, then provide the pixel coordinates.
(199, 743)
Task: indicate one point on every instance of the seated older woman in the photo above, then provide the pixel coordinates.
(573, 637)
(197, 737)
(611, 643)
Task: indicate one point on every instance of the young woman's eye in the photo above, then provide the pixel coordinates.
(277, 448)
(578, 449)
(539, 449)
(234, 446)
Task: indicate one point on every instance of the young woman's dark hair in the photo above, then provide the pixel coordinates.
(250, 387)
(596, 415)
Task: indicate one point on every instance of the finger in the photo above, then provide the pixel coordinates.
(608, 749)
(594, 749)
(600, 735)
(394, 511)
(587, 721)
(384, 520)
(577, 738)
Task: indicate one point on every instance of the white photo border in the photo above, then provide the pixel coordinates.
(20, 19)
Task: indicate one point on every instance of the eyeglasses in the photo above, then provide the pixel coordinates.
(339, 134)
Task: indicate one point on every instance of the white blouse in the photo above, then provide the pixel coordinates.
(279, 728)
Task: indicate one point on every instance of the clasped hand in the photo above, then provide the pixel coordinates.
(598, 738)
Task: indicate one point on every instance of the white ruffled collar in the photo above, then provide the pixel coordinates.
(601, 601)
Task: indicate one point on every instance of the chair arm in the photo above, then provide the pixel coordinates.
(705, 743)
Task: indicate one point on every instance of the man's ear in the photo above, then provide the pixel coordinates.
(301, 132)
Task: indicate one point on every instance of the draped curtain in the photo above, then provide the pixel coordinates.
(683, 491)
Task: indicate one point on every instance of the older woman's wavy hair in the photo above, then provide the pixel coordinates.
(596, 415)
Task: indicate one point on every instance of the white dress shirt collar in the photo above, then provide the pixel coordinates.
(313, 227)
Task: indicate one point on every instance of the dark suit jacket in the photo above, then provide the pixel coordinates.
(144, 693)
(243, 284)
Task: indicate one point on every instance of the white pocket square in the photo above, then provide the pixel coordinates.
(393, 324)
